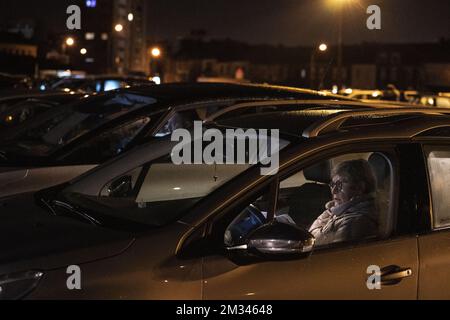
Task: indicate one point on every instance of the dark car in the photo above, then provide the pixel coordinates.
(143, 227)
(64, 142)
(91, 84)
(17, 109)
(11, 82)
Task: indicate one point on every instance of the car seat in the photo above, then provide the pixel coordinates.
(382, 170)
(308, 201)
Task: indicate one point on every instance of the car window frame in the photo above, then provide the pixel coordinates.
(430, 145)
(61, 154)
(388, 147)
(82, 143)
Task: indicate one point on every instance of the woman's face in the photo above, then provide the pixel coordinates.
(342, 189)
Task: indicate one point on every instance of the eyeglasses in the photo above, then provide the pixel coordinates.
(338, 185)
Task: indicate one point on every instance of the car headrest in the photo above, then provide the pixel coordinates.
(380, 166)
(320, 172)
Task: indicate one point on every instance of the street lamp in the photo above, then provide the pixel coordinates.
(83, 51)
(130, 17)
(118, 27)
(67, 43)
(312, 73)
(156, 52)
(340, 4)
(70, 41)
(155, 64)
(339, 58)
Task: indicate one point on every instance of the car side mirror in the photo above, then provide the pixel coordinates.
(278, 240)
(121, 187)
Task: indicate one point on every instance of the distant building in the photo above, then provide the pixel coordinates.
(113, 35)
(17, 54)
(365, 66)
(18, 48)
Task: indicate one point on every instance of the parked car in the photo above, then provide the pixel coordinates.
(17, 109)
(362, 94)
(440, 101)
(65, 142)
(91, 84)
(141, 227)
(9, 82)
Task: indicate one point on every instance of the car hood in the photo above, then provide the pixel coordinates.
(11, 174)
(31, 237)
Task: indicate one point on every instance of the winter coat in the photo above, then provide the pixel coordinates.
(354, 220)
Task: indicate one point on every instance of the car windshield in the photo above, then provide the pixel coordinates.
(68, 83)
(160, 191)
(5, 104)
(20, 112)
(54, 130)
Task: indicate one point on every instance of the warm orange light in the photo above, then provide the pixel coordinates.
(323, 47)
(338, 3)
(70, 41)
(118, 27)
(156, 52)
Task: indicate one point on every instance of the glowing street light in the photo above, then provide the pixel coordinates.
(70, 41)
(156, 52)
(130, 17)
(83, 51)
(323, 47)
(313, 72)
(118, 27)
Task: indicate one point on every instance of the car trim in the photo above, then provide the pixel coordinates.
(294, 161)
(334, 122)
(343, 103)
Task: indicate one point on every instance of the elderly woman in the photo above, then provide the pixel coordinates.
(352, 214)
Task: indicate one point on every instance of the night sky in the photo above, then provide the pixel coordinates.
(288, 22)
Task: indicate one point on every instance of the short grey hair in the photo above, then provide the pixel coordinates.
(357, 171)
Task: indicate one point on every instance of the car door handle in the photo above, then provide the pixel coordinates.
(393, 274)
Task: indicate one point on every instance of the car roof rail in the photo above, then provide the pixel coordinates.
(283, 101)
(335, 121)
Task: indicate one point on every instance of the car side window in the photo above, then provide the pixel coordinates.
(347, 198)
(249, 219)
(342, 199)
(109, 143)
(181, 120)
(438, 160)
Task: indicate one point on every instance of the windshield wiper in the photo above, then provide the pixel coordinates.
(83, 215)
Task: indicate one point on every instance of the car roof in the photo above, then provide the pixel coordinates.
(209, 91)
(402, 126)
(313, 122)
(50, 95)
(288, 122)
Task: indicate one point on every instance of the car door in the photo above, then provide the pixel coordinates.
(335, 271)
(434, 280)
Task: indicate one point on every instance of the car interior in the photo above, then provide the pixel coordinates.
(303, 196)
(307, 192)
